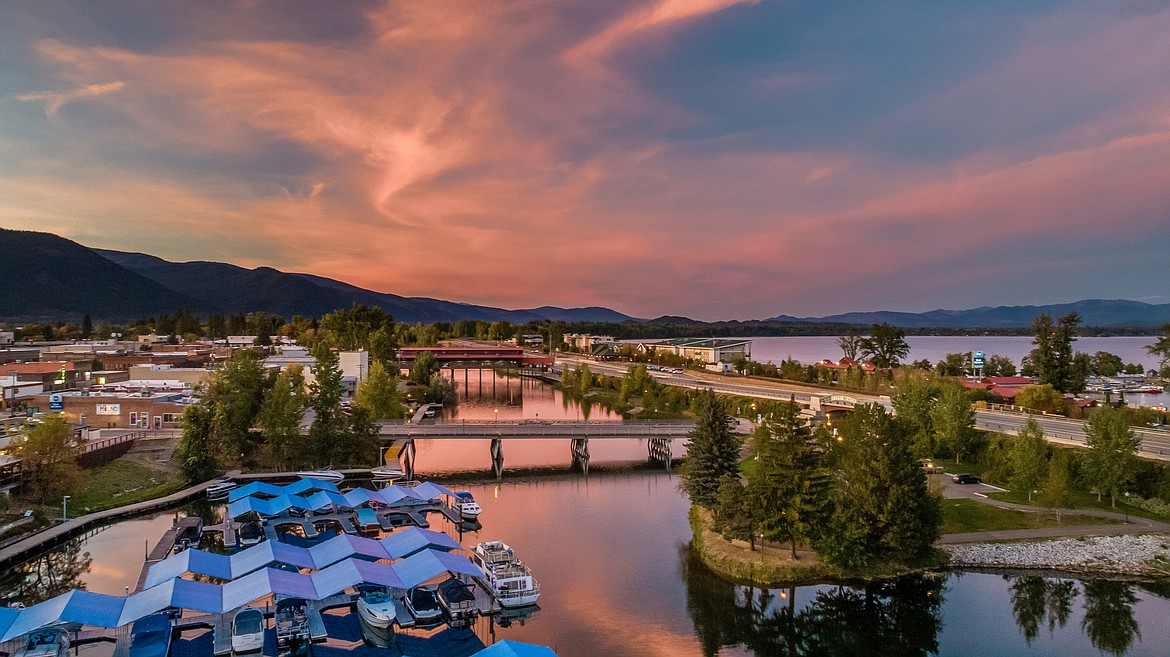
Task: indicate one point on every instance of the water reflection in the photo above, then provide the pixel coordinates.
(1109, 621)
(1037, 599)
(899, 618)
(56, 571)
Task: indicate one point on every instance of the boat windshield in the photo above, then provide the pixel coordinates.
(249, 623)
(377, 597)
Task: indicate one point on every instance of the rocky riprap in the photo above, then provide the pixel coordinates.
(1101, 554)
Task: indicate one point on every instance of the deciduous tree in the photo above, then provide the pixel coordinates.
(281, 415)
(1043, 398)
(200, 454)
(49, 452)
(378, 394)
(954, 421)
(1029, 457)
(885, 346)
(1057, 491)
(1110, 460)
(1161, 349)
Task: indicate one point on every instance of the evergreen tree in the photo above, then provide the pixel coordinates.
(378, 394)
(734, 517)
(788, 489)
(882, 507)
(1053, 358)
(712, 451)
(327, 433)
(86, 327)
(281, 415)
(1111, 458)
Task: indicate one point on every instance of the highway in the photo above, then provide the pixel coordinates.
(1155, 442)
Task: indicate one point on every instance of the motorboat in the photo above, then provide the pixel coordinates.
(45, 642)
(367, 522)
(150, 636)
(220, 490)
(387, 473)
(248, 631)
(375, 605)
(423, 604)
(509, 580)
(292, 623)
(251, 533)
(467, 507)
(323, 474)
(457, 599)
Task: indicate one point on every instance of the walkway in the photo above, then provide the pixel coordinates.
(540, 429)
(1130, 524)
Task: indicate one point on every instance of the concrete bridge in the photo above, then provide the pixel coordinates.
(669, 429)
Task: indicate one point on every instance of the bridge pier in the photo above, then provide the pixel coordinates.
(408, 459)
(497, 454)
(579, 449)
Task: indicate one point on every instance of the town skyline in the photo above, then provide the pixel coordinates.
(714, 159)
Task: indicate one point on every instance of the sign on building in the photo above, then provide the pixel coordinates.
(56, 402)
(109, 409)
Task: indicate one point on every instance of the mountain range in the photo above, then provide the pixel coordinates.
(45, 277)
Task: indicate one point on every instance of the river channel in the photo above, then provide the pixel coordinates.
(611, 555)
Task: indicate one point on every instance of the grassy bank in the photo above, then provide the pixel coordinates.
(120, 483)
(966, 516)
(773, 565)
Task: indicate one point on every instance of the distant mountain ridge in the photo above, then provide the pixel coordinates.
(1094, 312)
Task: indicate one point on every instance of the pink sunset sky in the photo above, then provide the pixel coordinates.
(709, 158)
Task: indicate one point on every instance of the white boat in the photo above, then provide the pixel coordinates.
(250, 533)
(423, 604)
(45, 642)
(387, 473)
(375, 605)
(248, 631)
(324, 474)
(292, 623)
(509, 580)
(467, 507)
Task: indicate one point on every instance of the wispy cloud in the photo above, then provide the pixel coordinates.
(54, 101)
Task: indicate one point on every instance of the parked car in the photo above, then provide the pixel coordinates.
(931, 467)
(965, 478)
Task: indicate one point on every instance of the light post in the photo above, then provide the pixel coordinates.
(1127, 507)
(65, 508)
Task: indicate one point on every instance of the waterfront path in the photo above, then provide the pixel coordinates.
(1128, 524)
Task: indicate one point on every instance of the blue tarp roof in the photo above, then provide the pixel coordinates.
(113, 611)
(508, 648)
(280, 499)
(400, 544)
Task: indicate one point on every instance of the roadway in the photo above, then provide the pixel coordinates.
(1155, 442)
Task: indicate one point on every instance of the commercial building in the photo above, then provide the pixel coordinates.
(711, 351)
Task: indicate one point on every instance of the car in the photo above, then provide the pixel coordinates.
(931, 467)
(965, 478)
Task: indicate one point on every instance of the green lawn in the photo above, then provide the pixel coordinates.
(120, 483)
(1081, 500)
(963, 516)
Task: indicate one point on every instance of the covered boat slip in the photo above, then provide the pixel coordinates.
(399, 545)
(280, 499)
(100, 610)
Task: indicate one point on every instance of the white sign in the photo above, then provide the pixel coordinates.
(109, 409)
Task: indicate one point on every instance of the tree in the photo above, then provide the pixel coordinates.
(886, 345)
(999, 366)
(1161, 349)
(1053, 356)
(86, 327)
(1043, 398)
(49, 452)
(712, 451)
(1029, 457)
(281, 415)
(788, 490)
(913, 403)
(734, 516)
(424, 366)
(882, 508)
(234, 395)
(584, 379)
(954, 421)
(1104, 363)
(327, 433)
(1058, 489)
(199, 452)
(378, 394)
(850, 344)
(1111, 458)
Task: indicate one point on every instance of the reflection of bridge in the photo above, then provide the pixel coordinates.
(658, 435)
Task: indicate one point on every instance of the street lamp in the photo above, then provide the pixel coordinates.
(65, 508)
